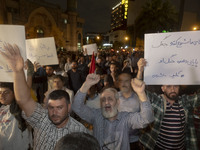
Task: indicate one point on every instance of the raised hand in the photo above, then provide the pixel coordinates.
(139, 87)
(36, 66)
(92, 79)
(141, 64)
(13, 57)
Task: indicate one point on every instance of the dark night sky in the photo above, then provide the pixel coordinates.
(97, 13)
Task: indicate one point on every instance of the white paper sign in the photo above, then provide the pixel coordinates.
(42, 50)
(90, 48)
(173, 58)
(12, 34)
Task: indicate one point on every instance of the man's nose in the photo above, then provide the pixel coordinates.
(173, 88)
(107, 102)
(55, 111)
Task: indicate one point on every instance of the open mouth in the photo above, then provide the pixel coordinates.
(108, 108)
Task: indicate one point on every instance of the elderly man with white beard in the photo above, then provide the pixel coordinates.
(110, 127)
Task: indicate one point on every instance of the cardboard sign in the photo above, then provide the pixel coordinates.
(89, 49)
(12, 34)
(42, 50)
(173, 58)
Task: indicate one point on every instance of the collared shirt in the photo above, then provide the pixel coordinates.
(46, 134)
(94, 102)
(113, 135)
(149, 137)
(130, 104)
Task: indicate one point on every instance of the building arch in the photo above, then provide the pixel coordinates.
(42, 24)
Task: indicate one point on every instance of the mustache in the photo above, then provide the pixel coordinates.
(54, 116)
(173, 93)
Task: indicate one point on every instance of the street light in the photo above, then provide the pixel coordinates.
(98, 37)
(196, 28)
(126, 38)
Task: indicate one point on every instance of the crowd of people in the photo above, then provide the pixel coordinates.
(111, 109)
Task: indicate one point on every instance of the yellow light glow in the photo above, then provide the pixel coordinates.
(195, 28)
(125, 3)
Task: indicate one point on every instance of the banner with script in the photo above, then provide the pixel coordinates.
(172, 58)
(12, 34)
(42, 50)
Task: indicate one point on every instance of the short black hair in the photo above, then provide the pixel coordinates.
(7, 85)
(59, 77)
(58, 94)
(78, 141)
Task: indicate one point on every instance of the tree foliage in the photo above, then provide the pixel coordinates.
(156, 15)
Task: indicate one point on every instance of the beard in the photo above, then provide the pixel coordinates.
(172, 96)
(74, 67)
(109, 114)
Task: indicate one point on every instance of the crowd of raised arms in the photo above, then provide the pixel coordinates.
(64, 107)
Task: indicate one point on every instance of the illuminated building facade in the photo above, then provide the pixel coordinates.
(119, 16)
(43, 19)
(125, 3)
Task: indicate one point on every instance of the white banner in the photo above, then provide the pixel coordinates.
(173, 58)
(89, 49)
(42, 50)
(12, 34)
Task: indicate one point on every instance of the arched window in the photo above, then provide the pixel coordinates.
(40, 32)
(79, 42)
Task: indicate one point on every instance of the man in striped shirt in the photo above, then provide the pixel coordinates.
(50, 124)
(173, 127)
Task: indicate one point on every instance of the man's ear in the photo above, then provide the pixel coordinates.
(118, 102)
(162, 88)
(69, 107)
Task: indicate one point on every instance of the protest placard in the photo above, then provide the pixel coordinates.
(42, 50)
(12, 34)
(89, 49)
(173, 58)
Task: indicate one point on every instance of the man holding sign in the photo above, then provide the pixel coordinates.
(173, 127)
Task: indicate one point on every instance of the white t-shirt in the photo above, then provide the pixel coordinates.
(11, 137)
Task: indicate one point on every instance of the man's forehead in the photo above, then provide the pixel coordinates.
(171, 85)
(4, 89)
(57, 101)
(107, 94)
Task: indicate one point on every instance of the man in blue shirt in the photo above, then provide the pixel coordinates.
(110, 127)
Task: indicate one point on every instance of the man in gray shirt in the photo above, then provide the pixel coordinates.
(110, 127)
(129, 102)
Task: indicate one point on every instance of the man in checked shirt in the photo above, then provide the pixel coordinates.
(173, 128)
(50, 124)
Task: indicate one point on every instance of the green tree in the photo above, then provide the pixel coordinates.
(156, 15)
(181, 12)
